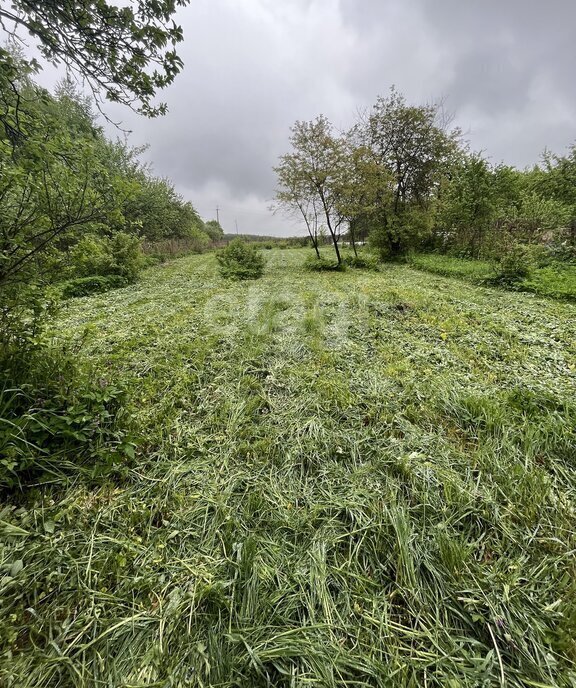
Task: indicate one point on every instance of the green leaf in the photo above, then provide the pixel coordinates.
(16, 567)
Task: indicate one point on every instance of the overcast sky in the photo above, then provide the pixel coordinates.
(253, 67)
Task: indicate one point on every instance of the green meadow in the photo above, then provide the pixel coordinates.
(350, 479)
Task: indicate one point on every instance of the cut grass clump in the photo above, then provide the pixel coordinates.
(363, 479)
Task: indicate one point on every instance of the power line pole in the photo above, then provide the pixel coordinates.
(217, 214)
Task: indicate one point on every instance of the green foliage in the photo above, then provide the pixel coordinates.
(156, 211)
(24, 312)
(323, 264)
(381, 178)
(214, 230)
(56, 420)
(91, 256)
(557, 281)
(198, 241)
(363, 261)
(54, 185)
(97, 284)
(126, 53)
(545, 277)
(72, 203)
(476, 271)
(515, 264)
(240, 260)
(127, 255)
(407, 229)
(468, 206)
(312, 176)
(120, 254)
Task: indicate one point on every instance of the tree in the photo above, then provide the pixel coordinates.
(557, 181)
(52, 182)
(296, 197)
(365, 191)
(315, 169)
(156, 211)
(414, 145)
(214, 230)
(124, 52)
(468, 205)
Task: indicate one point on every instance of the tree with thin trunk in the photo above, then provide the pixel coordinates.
(365, 192)
(317, 166)
(294, 198)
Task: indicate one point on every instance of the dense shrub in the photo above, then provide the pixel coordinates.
(323, 265)
(84, 286)
(363, 261)
(557, 281)
(562, 251)
(56, 419)
(515, 264)
(120, 255)
(240, 260)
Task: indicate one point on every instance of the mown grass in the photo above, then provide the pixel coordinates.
(557, 281)
(344, 479)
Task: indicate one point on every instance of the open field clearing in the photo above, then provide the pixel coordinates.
(343, 479)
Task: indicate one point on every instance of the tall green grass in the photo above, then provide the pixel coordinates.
(345, 479)
(557, 280)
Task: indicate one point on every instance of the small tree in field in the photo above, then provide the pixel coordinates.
(239, 260)
(416, 147)
(312, 176)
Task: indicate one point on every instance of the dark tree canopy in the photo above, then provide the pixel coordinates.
(125, 52)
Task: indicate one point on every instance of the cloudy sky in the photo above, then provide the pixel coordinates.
(253, 67)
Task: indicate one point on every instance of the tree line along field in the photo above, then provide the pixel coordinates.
(342, 479)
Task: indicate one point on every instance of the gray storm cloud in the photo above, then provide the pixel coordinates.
(253, 68)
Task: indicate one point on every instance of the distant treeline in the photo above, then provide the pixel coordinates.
(294, 242)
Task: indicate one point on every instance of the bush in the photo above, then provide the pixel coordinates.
(90, 256)
(362, 262)
(24, 311)
(563, 251)
(127, 255)
(240, 260)
(120, 255)
(516, 264)
(84, 286)
(55, 420)
(323, 265)
(557, 281)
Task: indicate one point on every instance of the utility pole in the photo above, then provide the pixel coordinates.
(217, 214)
(236, 223)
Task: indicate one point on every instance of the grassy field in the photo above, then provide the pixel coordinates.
(556, 281)
(344, 479)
